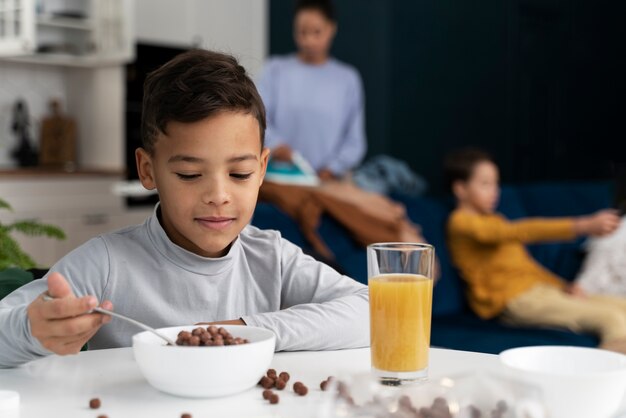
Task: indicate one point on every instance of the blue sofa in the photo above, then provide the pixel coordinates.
(454, 325)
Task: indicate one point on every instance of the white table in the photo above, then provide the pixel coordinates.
(62, 386)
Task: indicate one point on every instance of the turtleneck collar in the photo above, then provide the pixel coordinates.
(186, 259)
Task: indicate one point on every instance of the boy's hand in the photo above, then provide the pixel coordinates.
(63, 325)
(282, 153)
(600, 223)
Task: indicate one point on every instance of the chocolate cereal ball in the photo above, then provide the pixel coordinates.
(267, 382)
(94, 403)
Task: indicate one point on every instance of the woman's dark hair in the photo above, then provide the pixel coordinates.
(460, 164)
(193, 86)
(323, 6)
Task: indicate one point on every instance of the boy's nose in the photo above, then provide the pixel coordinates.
(217, 194)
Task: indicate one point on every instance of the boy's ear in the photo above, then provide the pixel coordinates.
(145, 168)
(265, 155)
(458, 189)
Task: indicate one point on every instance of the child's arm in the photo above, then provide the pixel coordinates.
(31, 327)
(495, 229)
(320, 309)
(598, 224)
(38, 328)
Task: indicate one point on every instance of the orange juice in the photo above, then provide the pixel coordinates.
(400, 308)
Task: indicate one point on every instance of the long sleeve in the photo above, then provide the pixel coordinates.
(494, 229)
(317, 110)
(17, 345)
(85, 269)
(351, 150)
(490, 254)
(320, 309)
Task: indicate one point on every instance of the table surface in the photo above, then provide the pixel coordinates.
(62, 386)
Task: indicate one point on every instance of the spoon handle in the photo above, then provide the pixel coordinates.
(141, 325)
(134, 322)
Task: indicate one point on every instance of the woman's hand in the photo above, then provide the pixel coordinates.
(325, 174)
(282, 153)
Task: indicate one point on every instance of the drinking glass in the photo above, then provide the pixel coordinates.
(400, 279)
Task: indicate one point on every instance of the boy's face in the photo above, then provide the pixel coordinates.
(313, 34)
(482, 190)
(208, 175)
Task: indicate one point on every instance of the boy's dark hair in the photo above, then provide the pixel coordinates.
(459, 164)
(323, 6)
(193, 86)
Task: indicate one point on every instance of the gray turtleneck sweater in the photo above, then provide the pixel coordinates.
(264, 280)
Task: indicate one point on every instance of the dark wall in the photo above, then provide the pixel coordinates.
(539, 83)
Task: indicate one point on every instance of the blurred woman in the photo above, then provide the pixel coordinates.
(314, 102)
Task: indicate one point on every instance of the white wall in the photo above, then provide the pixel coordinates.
(239, 27)
(97, 100)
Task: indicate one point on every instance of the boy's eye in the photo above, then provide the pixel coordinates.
(241, 176)
(187, 177)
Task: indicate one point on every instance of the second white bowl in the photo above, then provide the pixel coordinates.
(577, 382)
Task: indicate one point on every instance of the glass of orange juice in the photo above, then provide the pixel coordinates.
(400, 279)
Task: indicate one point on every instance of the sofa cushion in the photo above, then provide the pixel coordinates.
(268, 216)
(432, 215)
(465, 331)
(510, 204)
(556, 199)
(565, 198)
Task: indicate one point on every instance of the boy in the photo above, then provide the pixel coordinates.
(502, 277)
(196, 259)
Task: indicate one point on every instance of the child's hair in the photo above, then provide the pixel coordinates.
(193, 86)
(325, 7)
(459, 164)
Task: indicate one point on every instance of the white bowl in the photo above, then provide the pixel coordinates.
(201, 372)
(576, 381)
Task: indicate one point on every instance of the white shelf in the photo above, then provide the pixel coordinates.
(65, 22)
(67, 60)
(98, 31)
(10, 9)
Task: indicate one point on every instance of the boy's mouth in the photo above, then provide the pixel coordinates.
(215, 222)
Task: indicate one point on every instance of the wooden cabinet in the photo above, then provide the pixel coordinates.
(67, 32)
(82, 205)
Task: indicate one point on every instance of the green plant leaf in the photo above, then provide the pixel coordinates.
(11, 255)
(5, 205)
(33, 229)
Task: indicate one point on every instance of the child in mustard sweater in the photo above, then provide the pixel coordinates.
(503, 279)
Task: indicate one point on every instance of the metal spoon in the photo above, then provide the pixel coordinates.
(125, 318)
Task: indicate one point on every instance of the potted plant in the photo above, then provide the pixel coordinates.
(14, 262)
